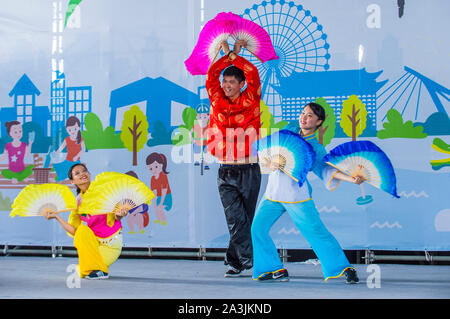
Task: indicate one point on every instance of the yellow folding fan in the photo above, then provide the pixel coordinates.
(111, 191)
(37, 199)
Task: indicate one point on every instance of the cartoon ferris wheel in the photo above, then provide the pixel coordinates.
(298, 40)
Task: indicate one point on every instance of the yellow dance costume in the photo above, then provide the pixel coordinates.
(98, 240)
(98, 236)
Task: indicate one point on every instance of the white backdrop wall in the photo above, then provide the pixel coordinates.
(115, 54)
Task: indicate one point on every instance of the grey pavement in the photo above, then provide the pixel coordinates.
(46, 277)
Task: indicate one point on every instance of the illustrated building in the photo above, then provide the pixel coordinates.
(64, 102)
(58, 102)
(24, 107)
(68, 101)
(334, 86)
(158, 93)
(79, 102)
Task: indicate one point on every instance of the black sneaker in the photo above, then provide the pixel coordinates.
(233, 272)
(279, 275)
(352, 277)
(97, 274)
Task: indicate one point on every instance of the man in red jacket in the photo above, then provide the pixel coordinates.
(234, 126)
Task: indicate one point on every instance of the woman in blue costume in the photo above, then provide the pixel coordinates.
(283, 194)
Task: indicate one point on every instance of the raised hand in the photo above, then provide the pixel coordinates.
(238, 45)
(225, 47)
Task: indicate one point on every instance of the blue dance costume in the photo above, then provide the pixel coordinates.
(283, 194)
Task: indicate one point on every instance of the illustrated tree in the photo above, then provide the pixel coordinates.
(437, 123)
(134, 131)
(326, 131)
(268, 125)
(184, 135)
(160, 135)
(96, 137)
(396, 128)
(353, 117)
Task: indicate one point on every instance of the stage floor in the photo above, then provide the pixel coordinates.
(45, 277)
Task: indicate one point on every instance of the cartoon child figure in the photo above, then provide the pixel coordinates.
(16, 151)
(75, 148)
(200, 134)
(137, 216)
(159, 184)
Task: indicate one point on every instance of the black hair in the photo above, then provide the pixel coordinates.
(132, 173)
(318, 110)
(160, 158)
(11, 124)
(71, 176)
(236, 72)
(71, 121)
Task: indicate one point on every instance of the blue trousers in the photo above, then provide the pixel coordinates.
(306, 218)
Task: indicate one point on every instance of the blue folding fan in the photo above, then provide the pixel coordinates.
(290, 150)
(366, 159)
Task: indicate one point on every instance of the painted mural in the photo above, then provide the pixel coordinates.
(106, 86)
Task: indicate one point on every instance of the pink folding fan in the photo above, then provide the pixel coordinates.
(223, 26)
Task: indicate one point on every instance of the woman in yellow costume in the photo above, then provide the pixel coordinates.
(98, 238)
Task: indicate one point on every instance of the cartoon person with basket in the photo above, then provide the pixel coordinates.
(16, 151)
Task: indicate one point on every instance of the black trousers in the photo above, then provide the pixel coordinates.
(238, 189)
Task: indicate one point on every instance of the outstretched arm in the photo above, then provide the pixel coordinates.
(213, 85)
(351, 179)
(250, 71)
(61, 147)
(28, 149)
(67, 227)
